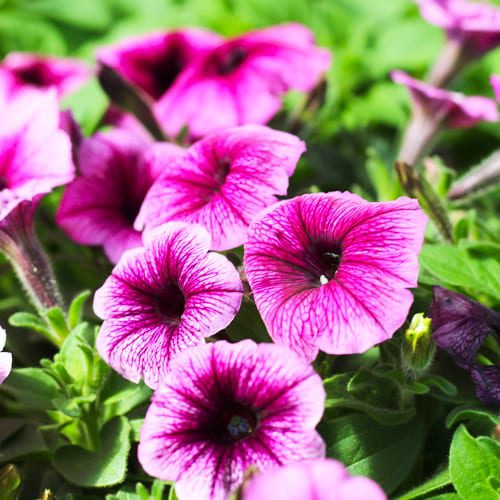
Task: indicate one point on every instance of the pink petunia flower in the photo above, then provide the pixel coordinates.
(222, 181)
(320, 479)
(435, 109)
(331, 271)
(225, 407)
(477, 24)
(154, 61)
(35, 157)
(5, 358)
(101, 205)
(241, 80)
(19, 71)
(163, 298)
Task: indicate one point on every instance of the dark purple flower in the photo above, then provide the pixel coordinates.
(224, 407)
(460, 327)
(241, 80)
(162, 299)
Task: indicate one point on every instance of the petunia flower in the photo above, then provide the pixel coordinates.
(435, 109)
(19, 71)
(163, 298)
(320, 479)
(101, 205)
(472, 29)
(5, 358)
(222, 182)
(154, 61)
(35, 157)
(331, 271)
(241, 80)
(225, 407)
(460, 327)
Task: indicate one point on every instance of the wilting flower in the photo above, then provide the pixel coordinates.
(461, 326)
(161, 299)
(35, 157)
(241, 80)
(320, 479)
(224, 407)
(435, 109)
(222, 181)
(154, 61)
(19, 71)
(5, 358)
(101, 205)
(331, 271)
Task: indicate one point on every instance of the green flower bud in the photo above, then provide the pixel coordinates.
(417, 349)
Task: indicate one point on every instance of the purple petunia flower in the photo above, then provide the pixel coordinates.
(454, 110)
(101, 205)
(241, 80)
(5, 358)
(331, 271)
(225, 407)
(321, 479)
(163, 298)
(154, 61)
(476, 24)
(35, 157)
(435, 109)
(222, 182)
(460, 327)
(19, 71)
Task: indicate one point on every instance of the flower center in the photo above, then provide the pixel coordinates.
(222, 171)
(33, 75)
(231, 60)
(170, 302)
(3, 182)
(327, 257)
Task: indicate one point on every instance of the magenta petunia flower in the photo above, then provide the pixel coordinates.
(241, 80)
(331, 271)
(225, 407)
(5, 358)
(453, 109)
(222, 182)
(154, 61)
(23, 70)
(320, 479)
(476, 24)
(163, 298)
(101, 205)
(35, 157)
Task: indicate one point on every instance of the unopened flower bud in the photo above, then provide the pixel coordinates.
(417, 349)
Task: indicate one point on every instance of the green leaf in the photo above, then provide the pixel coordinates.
(67, 406)
(474, 466)
(437, 482)
(441, 383)
(32, 388)
(30, 322)
(105, 467)
(384, 453)
(57, 321)
(27, 442)
(456, 267)
(377, 395)
(75, 311)
(484, 418)
(10, 481)
(136, 425)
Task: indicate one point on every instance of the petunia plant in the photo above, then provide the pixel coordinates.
(230, 269)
